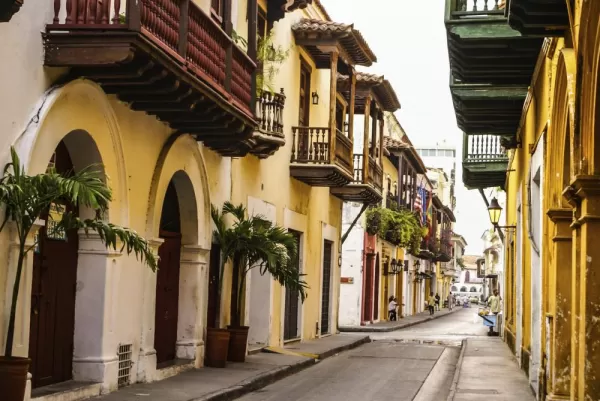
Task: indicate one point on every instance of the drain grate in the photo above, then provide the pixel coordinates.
(125, 364)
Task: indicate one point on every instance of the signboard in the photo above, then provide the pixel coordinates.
(347, 280)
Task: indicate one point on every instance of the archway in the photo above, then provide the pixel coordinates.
(78, 118)
(179, 192)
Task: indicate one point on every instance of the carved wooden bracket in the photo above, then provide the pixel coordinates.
(8, 8)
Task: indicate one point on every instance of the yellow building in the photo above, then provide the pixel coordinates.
(539, 103)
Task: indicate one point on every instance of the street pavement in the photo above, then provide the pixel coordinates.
(393, 367)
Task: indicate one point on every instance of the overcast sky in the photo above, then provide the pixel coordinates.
(409, 39)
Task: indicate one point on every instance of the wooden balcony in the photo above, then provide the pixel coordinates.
(483, 48)
(444, 253)
(484, 161)
(269, 136)
(321, 159)
(364, 188)
(488, 109)
(540, 18)
(164, 57)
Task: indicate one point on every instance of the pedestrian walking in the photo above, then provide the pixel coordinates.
(437, 301)
(392, 307)
(494, 304)
(450, 300)
(431, 303)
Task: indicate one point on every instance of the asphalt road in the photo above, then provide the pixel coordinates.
(386, 369)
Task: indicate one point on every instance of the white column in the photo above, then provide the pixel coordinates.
(146, 366)
(193, 302)
(94, 347)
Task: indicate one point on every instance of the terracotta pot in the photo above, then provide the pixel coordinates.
(217, 347)
(13, 377)
(238, 342)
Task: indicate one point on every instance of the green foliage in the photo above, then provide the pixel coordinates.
(461, 262)
(254, 242)
(26, 198)
(400, 227)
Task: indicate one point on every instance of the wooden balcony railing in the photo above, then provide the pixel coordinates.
(374, 173)
(178, 27)
(474, 9)
(269, 111)
(483, 149)
(311, 145)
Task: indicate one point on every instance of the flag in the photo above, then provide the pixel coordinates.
(418, 200)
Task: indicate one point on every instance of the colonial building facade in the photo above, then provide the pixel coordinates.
(164, 97)
(531, 127)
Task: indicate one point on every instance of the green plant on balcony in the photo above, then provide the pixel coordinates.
(400, 227)
(461, 262)
(269, 58)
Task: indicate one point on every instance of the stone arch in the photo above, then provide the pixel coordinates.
(180, 163)
(79, 106)
(589, 63)
(79, 114)
(562, 136)
(180, 160)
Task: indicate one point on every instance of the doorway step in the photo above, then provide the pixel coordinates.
(66, 391)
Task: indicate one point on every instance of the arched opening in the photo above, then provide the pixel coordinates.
(59, 276)
(463, 289)
(53, 291)
(453, 288)
(473, 289)
(167, 280)
(467, 276)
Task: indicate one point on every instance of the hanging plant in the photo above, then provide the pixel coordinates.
(400, 227)
(269, 59)
(461, 262)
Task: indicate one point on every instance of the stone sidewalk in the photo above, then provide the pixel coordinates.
(488, 371)
(237, 379)
(402, 323)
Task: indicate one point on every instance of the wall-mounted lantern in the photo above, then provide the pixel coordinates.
(315, 98)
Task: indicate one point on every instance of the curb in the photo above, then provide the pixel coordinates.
(369, 329)
(266, 378)
(454, 385)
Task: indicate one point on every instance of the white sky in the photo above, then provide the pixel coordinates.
(409, 39)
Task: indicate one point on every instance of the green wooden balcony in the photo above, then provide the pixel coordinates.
(488, 108)
(485, 161)
(540, 18)
(483, 48)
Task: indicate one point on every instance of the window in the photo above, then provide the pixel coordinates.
(304, 112)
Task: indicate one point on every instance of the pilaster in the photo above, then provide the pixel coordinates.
(584, 192)
(560, 336)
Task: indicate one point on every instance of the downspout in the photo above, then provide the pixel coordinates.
(487, 204)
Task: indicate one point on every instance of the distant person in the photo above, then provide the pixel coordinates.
(431, 303)
(437, 301)
(392, 307)
(494, 304)
(450, 300)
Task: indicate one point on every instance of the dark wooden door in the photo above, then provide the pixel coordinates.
(305, 95)
(167, 297)
(325, 300)
(292, 302)
(376, 289)
(368, 290)
(54, 281)
(213, 284)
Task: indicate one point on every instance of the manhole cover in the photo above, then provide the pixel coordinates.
(476, 391)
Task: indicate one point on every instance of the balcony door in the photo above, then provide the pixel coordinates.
(304, 112)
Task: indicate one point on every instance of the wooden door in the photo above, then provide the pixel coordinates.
(54, 282)
(292, 302)
(326, 296)
(304, 111)
(167, 298)
(368, 290)
(376, 289)
(213, 284)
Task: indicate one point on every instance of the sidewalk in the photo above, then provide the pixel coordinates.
(488, 370)
(237, 379)
(383, 327)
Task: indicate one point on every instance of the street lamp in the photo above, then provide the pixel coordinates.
(315, 98)
(495, 210)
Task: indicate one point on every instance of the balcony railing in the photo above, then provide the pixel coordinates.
(374, 175)
(178, 27)
(483, 149)
(269, 112)
(474, 10)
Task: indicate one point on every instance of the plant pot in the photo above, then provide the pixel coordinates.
(13, 377)
(238, 342)
(217, 347)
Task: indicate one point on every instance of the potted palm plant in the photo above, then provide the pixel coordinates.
(254, 243)
(25, 199)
